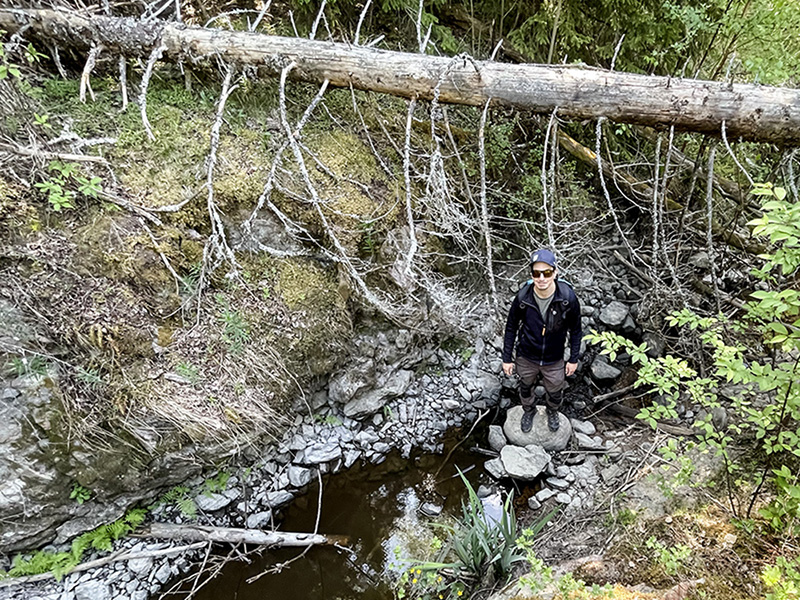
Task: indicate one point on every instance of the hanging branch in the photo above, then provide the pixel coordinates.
(412, 246)
(655, 209)
(148, 73)
(487, 234)
(363, 14)
(710, 220)
(123, 80)
(733, 156)
(91, 60)
(547, 217)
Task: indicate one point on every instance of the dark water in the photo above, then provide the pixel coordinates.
(377, 507)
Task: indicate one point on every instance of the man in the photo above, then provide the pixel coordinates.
(543, 311)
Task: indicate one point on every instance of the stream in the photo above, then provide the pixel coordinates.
(378, 507)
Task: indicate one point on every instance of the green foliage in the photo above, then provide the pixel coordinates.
(20, 366)
(62, 177)
(782, 580)
(178, 497)
(672, 559)
(236, 330)
(773, 315)
(6, 68)
(217, 484)
(61, 563)
(188, 371)
(79, 493)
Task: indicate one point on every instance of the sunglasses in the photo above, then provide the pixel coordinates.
(548, 273)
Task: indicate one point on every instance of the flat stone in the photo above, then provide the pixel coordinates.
(583, 426)
(320, 453)
(609, 474)
(495, 468)
(279, 498)
(375, 399)
(602, 372)
(93, 590)
(140, 566)
(562, 471)
(259, 519)
(452, 404)
(465, 393)
(655, 344)
(614, 314)
(544, 494)
(557, 483)
(540, 434)
(163, 573)
(533, 503)
(524, 463)
(430, 509)
(497, 439)
(587, 443)
(209, 502)
(350, 457)
(9, 393)
(563, 498)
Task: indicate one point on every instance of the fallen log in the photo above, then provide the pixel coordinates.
(759, 113)
(231, 535)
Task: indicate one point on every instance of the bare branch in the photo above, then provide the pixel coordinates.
(91, 60)
(485, 206)
(361, 21)
(733, 156)
(148, 73)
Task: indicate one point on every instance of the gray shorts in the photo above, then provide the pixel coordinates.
(553, 376)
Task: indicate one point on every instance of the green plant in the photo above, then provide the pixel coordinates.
(178, 497)
(189, 371)
(20, 366)
(673, 559)
(7, 68)
(216, 484)
(79, 493)
(235, 329)
(61, 563)
(782, 580)
(57, 186)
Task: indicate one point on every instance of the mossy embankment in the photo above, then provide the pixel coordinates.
(155, 348)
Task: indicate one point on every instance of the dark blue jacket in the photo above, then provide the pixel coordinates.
(542, 339)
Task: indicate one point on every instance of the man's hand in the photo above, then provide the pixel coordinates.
(508, 369)
(570, 369)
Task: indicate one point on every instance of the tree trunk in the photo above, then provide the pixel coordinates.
(758, 113)
(200, 533)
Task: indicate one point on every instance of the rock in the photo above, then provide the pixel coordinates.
(533, 503)
(700, 260)
(374, 400)
(429, 509)
(465, 394)
(497, 438)
(278, 498)
(259, 519)
(629, 326)
(209, 502)
(583, 427)
(587, 443)
(320, 453)
(346, 384)
(141, 566)
(655, 344)
(93, 590)
(350, 457)
(495, 468)
(609, 474)
(544, 494)
(562, 471)
(163, 573)
(524, 463)
(451, 404)
(719, 417)
(299, 476)
(557, 484)
(540, 434)
(614, 314)
(9, 393)
(602, 372)
(563, 498)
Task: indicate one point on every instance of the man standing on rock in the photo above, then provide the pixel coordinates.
(543, 311)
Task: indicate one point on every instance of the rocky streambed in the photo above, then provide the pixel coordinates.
(393, 396)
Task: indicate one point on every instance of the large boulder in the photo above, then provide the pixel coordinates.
(540, 434)
(524, 463)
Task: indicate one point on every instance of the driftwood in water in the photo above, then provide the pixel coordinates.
(231, 535)
(759, 113)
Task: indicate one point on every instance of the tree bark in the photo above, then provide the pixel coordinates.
(200, 533)
(758, 113)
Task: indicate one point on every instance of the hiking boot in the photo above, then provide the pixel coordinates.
(527, 421)
(553, 420)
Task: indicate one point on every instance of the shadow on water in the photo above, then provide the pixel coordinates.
(377, 507)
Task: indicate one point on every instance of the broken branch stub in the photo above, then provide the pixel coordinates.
(759, 113)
